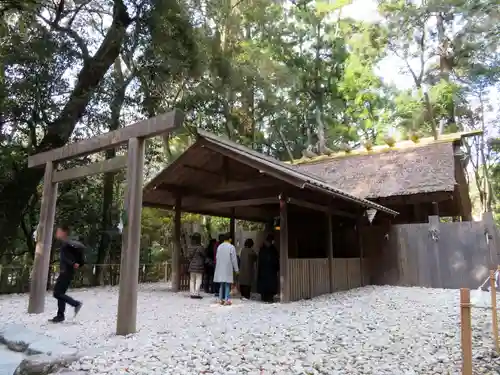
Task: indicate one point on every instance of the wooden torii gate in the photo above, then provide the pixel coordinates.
(133, 135)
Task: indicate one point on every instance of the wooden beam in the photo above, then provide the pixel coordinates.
(168, 198)
(105, 166)
(284, 274)
(239, 203)
(221, 189)
(176, 255)
(163, 123)
(44, 231)
(249, 214)
(126, 322)
(243, 185)
(320, 208)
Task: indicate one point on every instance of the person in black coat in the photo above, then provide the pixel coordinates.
(71, 258)
(268, 267)
(208, 283)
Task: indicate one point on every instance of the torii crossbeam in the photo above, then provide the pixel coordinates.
(133, 135)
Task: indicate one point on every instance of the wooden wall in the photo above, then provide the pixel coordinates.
(435, 254)
(310, 277)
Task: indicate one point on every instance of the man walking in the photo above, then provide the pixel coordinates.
(71, 258)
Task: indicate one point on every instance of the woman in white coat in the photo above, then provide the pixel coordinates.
(225, 264)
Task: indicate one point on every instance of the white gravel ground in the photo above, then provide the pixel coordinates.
(372, 330)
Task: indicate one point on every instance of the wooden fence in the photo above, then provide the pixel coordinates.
(311, 278)
(435, 254)
(16, 279)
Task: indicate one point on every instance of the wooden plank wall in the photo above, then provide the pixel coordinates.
(298, 272)
(455, 255)
(310, 278)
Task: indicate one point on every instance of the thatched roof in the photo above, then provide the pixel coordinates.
(198, 172)
(413, 168)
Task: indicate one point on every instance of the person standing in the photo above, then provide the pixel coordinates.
(226, 263)
(248, 257)
(71, 257)
(208, 275)
(196, 266)
(216, 246)
(267, 270)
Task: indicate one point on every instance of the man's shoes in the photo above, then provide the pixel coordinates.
(78, 308)
(57, 319)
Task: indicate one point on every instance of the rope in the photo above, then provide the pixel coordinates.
(86, 265)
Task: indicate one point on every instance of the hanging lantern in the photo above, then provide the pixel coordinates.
(276, 223)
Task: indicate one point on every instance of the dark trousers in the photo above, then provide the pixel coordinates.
(208, 280)
(216, 288)
(267, 297)
(245, 291)
(62, 284)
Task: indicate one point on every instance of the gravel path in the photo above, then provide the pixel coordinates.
(372, 330)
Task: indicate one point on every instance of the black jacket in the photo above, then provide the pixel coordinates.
(268, 266)
(71, 252)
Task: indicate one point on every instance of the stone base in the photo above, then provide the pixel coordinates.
(42, 364)
(31, 353)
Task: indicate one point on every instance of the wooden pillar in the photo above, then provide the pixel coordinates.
(329, 244)
(131, 240)
(435, 209)
(176, 256)
(359, 226)
(284, 276)
(466, 331)
(492, 239)
(44, 235)
(417, 213)
(232, 227)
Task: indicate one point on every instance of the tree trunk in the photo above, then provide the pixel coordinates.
(16, 192)
(107, 224)
(318, 94)
(445, 63)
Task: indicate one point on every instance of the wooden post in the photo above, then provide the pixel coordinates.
(493, 292)
(435, 209)
(232, 227)
(284, 276)
(359, 225)
(329, 238)
(131, 240)
(166, 272)
(44, 235)
(492, 232)
(176, 256)
(466, 331)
